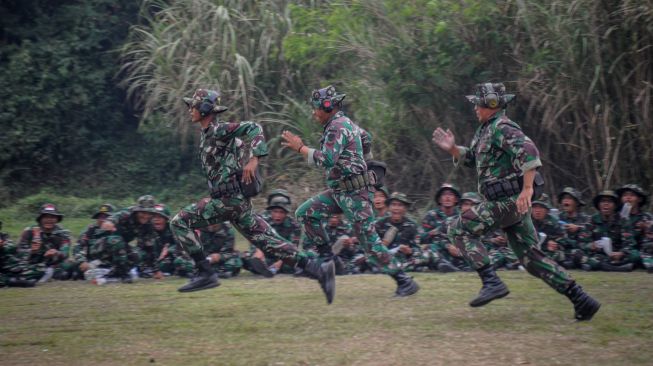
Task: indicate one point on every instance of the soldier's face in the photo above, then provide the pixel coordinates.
(334, 220)
(631, 197)
(606, 206)
(448, 199)
(483, 114)
(379, 200)
(397, 210)
(539, 212)
(48, 221)
(568, 203)
(466, 205)
(100, 218)
(195, 115)
(278, 215)
(159, 222)
(143, 217)
(320, 115)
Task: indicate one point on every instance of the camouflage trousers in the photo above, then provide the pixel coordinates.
(436, 253)
(113, 252)
(356, 206)
(237, 210)
(466, 229)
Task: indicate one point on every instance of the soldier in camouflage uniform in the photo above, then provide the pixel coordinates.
(169, 258)
(350, 256)
(635, 223)
(44, 248)
(342, 153)
(277, 215)
(606, 225)
(399, 233)
(576, 225)
(551, 233)
(219, 242)
(10, 269)
(438, 250)
(82, 250)
(506, 161)
(381, 195)
(222, 156)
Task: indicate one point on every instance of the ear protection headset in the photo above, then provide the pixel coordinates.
(323, 98)
(208, 103)
(492, 95)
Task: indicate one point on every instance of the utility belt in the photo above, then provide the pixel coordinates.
(229, 188)
(234, 186)
(504, 188)
(355, 182)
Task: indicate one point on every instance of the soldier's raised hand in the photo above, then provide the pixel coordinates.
(292, 141)
(445, 140)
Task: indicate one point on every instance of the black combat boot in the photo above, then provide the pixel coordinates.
(584, 305)
(16, 282)
(616, 267)
(324, 273)
(205, 278)
(493, 288)
(405, 284)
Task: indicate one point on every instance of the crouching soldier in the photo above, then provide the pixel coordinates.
(218, 241)
(576, 225)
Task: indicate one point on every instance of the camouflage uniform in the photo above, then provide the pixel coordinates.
(35, 242)
(222, 242)
(353, 257)
(406, 235)
(575, 242)
(222, 156)
(501, 256)
(550, 227)
(168, 256)
(501, 151)
(635, 226)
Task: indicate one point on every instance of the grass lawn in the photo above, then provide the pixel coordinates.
(285, 321)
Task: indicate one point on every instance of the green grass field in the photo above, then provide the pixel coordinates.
(285, 321)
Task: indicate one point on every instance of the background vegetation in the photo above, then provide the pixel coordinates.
(91, 90)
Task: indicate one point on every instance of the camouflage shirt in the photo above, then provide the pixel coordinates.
(82, 250)
(222, 153)
(553, 230)
(612, 229)
(34, 236)
(635, 226)
(129, 228)
(221, 241)
(582, 236)
(437, 220)
(500, 150)
(343, 147)
(289, 229)
(406, 235)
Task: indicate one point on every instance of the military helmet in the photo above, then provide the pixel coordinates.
(471, 196)
(279, 201)
(574, 193)
(161, 210)
(608, 193)
(49, 209)
(105, 209)
(490, 95)
(326, 98)
(206, 101)
(144, 204)
(444, 187)
(635, 189)
(385, 191)
(279, 192)
(398, 196)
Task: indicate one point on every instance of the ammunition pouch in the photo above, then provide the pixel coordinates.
(229, 188)
(504, 188)
(354, 182)
(376, 172)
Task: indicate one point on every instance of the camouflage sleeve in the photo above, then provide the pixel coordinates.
(250, 130)
(336, 138)
(512, 140)
(66, 245)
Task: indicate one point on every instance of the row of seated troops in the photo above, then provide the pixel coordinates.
(618, 237)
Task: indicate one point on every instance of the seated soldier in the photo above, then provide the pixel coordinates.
(635, 223)
(551, 233)
(170, 258)
(381, 195)
(44, 248)
(609, 248)
(218, 243)
(82, 250)
(441, 254)
(277, 214)
(9, 264)
(350, 257)
(576, 225)
(399, 233)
